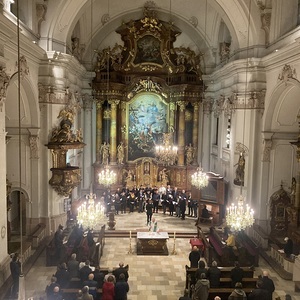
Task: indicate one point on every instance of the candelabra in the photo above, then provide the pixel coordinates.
(107, 177)
(90, 214)
(239, 216)
(199, 179)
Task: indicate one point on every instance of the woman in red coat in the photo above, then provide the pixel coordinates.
(108, 289)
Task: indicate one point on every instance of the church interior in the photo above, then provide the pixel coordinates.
(150, 126)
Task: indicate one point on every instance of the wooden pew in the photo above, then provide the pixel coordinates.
(251, 255)
(219, 250)
(224, 293)
(206, 244)
(225, 275)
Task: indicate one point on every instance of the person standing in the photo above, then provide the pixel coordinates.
(15, 269)
(268, 284)
(194, 257)
(214, 274)
(259, 293)
(288, 247)
(238, 293)
(121, 270)
(236, 274)
(202, 288)
(155, 200)
(149, 211)
(121, 288)
(108, 289)
(182, 204)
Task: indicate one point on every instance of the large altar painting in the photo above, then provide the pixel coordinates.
(147, 115)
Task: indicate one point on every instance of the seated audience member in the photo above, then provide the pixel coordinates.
(213, 275)
(121, 288)
(288, 247)
(121, 270)
(108, 289)
(110, 273)
(231, 246)
(50, 287)
(236, 274)
(62, 275)
(202, 286)
(82, 263)
(185, 296)
(268, 284)
(98, 276)
(238, 293)
(201, 270)
(205, 213)
(85, 271)
(73, 266)
(85, 294)
(259, 293)
(217, 298)
(92, 284)
(56, 294)
(194, 257)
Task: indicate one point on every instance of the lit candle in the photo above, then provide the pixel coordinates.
(130, 234)
(174, 234)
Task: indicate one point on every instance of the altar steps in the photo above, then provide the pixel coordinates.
(126, 234)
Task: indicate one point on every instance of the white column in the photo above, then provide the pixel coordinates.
(87, 137)
(34, 201)
(3, 208)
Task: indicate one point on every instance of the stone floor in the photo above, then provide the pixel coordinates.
(150, 277)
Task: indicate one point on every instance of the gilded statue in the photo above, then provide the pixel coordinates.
(240, 170)
(120, 153)
(189, 152)
(104, 151)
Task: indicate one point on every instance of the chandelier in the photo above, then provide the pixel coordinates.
(89, 213)
(107, 177)
(167, 152)
(199, 179)
(239, 216)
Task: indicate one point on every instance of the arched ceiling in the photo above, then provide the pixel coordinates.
(199, 20)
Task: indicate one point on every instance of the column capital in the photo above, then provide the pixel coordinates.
(114, 103)
(88, 102)
(123, 105)
(99, 104)
(172, 106)
(181, 105)
(195, 105)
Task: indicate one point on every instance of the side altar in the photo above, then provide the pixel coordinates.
(152, 243)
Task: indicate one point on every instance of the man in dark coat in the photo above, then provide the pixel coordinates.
(213, 275)
(85, 271)
(236, 274)
(259, 293)
(92, 284)
(121, 288)
(194, 257)
(15, 269)
(268, 284)
(288, 247)
(121, 270)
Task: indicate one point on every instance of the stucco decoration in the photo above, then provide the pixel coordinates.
(41, 10)
(265, 16)
(34, 146)
(218, 106)
(194, 21)
(4, 80)
(229, 105)
(24, 69)
(267, 147)
(287, 73)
